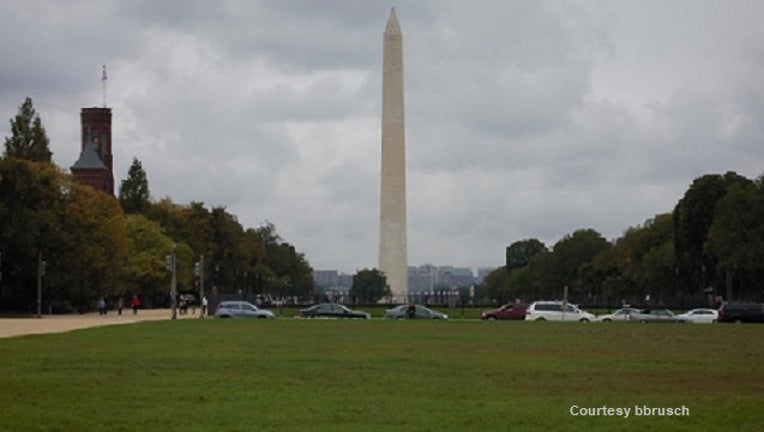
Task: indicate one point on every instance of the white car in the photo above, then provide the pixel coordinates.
(700, 315)
(623, 314)
(556, 311)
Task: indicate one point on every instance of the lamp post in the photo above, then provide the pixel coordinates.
(40, 273)
(171, 263)
(200, 273)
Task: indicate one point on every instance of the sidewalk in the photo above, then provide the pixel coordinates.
(61, 323)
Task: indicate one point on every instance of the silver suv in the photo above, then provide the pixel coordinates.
(556, 311)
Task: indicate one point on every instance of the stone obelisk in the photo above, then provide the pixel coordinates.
(392, 224)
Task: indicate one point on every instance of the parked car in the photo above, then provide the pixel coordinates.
(510, 311)
(241, 309)
(332, 310)
(700, 315)
(623, 314)
(741, 312)
(420, 312)
(654, 315)
(556, 311)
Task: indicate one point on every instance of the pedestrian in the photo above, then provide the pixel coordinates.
(120, 304)
(204, 305)
(101, 306)
(135, 303)
(411, 311)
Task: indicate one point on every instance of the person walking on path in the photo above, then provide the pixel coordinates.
(120, 304)
(204, 305)
(135, 304)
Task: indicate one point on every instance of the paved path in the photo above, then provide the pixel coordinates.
(61, 323)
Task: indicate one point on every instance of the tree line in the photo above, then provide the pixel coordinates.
(82, 244)
(90, 244)
(709, 249)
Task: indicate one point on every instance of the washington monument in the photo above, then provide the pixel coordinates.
(392, 203)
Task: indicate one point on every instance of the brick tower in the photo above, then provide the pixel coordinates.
(95, 164)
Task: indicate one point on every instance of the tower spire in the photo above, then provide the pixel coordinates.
(392, 26)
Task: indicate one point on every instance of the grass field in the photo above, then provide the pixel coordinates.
(323, 375)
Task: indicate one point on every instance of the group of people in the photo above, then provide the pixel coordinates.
(103, 305)
(135, 304)
(185, 303)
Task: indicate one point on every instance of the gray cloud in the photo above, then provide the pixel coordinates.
(524, 119)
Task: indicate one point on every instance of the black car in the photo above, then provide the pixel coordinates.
(331, 310)
(741, 312)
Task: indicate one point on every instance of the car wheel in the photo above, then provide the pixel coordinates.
(607, 320)
(540, 319)
(261, 316)
(492, 317)
(224, 316)
(583, 320)
(643, 321)
(714, 321)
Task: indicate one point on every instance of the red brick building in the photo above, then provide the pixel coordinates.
(95, 164)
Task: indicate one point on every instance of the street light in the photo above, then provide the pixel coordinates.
(171, 264)
(200, 273)
(41, 265)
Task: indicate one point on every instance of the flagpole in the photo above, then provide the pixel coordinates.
(103, 85)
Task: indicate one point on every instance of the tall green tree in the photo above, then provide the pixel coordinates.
(641, 262)
(28, 139)
(369, 286)
(134, 190)
(569, 256)
(145, 267)
(520, 253)
(229, 254)
(736, 241)
(30, 225)
(493, 285)
(95, 240)
(292, 272)
(693, 217)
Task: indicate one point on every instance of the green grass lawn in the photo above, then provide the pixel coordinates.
(324, 375)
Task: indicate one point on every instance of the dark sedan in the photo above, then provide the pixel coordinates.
(419, 312)
(332, 310)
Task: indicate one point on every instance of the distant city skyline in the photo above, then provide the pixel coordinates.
(425, 277)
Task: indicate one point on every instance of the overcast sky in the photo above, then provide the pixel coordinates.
(527, 119)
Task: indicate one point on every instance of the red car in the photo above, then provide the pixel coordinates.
(508, 311)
